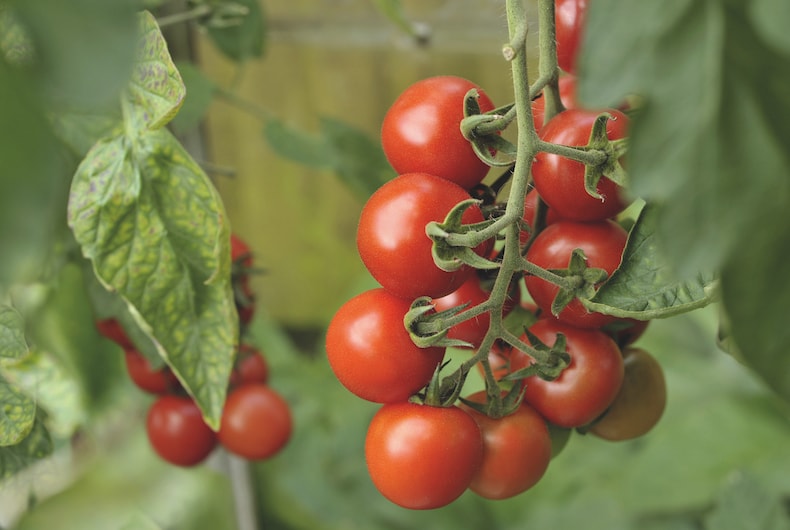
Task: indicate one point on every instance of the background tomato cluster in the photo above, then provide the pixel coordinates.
(719, 456)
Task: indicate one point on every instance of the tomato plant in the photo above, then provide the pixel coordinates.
(602, 243)
(569, 16)
(560, 180)
(516, 450)
(177, 432)
(391, 235)
(422, 457)
(586, 387)
(421, 131)
(256, 422)
(639, 404)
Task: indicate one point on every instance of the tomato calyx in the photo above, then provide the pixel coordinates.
(443, 391)
(482, 131)
(498, 404)
(549, 361)
(452, 253)
(581, 281)
(611, 167)
(428, 327)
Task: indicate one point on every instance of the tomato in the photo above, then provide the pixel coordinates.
(639, 404)
(146, 378)
(567, 86)
(240, 251)
(251, 367)
(560, 180)
(530, 208)
(603, 243)
(256, 422)
(586, 387)
(626, 331)
(569, 16)
(111, 329)
(422, 457)
(372, 354)
(516, 451)
(242, 263)
(391, 235)
(177, 432)
(421, 131)
(472, 293)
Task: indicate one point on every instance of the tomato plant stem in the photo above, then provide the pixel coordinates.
(243, 492)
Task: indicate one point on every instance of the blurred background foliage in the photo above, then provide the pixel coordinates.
(283, 112)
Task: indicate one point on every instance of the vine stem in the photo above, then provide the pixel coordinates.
(243, 492)
(185, 16)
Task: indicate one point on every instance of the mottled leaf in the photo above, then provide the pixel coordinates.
(32, 448)
(17, 414)
(238, 28)
(12, 334)
(155, 229)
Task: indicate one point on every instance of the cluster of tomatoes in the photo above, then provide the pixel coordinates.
(256, 421)
(422, 454)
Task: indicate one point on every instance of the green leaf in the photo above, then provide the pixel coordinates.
(756, 299)
(42, 377)
(199, 95)
(645, 285)
(770, 18)
(155, 91)
(12, 334)
(83, 49)
(238, 29)
(17, 414)
(710, 142)
(32, 448)
(350, 153)
(746, 503)
(155, 229)
(79, 129)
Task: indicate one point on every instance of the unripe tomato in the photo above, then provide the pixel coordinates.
(421, 131)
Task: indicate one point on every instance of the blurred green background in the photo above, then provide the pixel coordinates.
(720, 458)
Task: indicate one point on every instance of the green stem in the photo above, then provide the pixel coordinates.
(547, 65)
(196, 12)
(590, 157)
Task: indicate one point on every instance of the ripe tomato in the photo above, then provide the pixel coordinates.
(602, 242)
(421, 131)
(569, 18)
(567, 86)
(588, 384)
(240, 252)
(251, 367)
(111, 329)
(372, 354)
(560, 180)
(391, 235)
(516, 451)
(626, 331)
(639, 404)
(177, 432)
(242, 262)
(159, 381)
(422, 457)
(530, 207)
(256, 422)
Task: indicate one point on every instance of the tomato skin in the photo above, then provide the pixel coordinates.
(391, 235)
(372, 354)
(422, 457)
(569, 16)
(516, 451)
(588, 384)
(251, 367)
(111, 329)
(146, 378)
(421, 131)
(639, 404)
(567, 86)
(177, 432)
(256, 422)
(603, 243)
(530, 208)
(560, 180)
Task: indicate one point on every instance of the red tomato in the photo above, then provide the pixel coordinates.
(602, 242)
(256, 422)
(639, 404)
(560, 180)
(588, 384)
(569, 16)
(244, 297)
(391, 235)
(530, 207)
(626, 331)
(251, 367)
(177, 432)
(422, 457)
(159, 381)
(516, 451)
(372, 354)
(472, 293)
(111, 329)
(421, 131)
(240, 251)
(567, 86)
